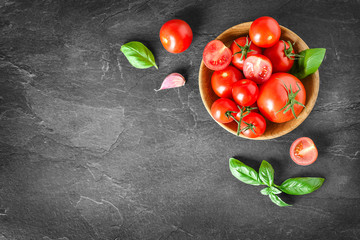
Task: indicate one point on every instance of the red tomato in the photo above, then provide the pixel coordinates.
(240, 54)
(245, 92)
(265, 32)
(252, 108)
(257, 68)
(216, 55)
(303, 151)
(223, 80)
(220, 107)
(176, 36)
(281, 97)
(282, 58)
(253, 125)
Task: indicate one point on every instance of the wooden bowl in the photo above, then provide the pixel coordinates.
(273, 130)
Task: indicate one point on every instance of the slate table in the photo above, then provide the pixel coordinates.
(90, 151)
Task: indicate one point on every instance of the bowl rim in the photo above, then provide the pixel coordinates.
(296, 122)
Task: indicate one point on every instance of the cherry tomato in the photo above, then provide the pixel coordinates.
(303, 151)
(257, 68)
(245, 110)
(245, 92)
(240, 54)
(176, 36)
(216, 55)
(281, 98)
(220, 107)
(253, 125)
(265, 32)
(282, 58)
(223, 80)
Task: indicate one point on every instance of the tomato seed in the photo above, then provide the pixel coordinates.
(298, 149)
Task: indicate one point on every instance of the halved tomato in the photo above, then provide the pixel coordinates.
(303, 151)
(257, 68)
(216, 55)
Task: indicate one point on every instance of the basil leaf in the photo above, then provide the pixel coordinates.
(243, 172)
(138, 55)
(274, 190)
(266, 173)
(301, 185)
(266, 191)
(277, 200)
(308, 62)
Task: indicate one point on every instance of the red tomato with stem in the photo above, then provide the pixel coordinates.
(176, 36)
(303, 151)
(281, 55)
(253, 125)
(245, 92)
(281, 98)
(257, 68)
(216, 55)
(242, 48)
(265, 32)
(220, 108)
(222, 81)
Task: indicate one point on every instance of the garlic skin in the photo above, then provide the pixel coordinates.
(173, 80)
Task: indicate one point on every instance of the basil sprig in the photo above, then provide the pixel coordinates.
(138, 55)
(308, 62)
(291, 186)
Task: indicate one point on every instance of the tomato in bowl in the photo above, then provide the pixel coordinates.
(273, 130)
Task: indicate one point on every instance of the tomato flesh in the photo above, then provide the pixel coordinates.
(222, 81)
(216, 55)
(176, 36)
(303, 151)
(257, 68)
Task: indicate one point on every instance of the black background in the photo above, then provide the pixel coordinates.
(88, 150)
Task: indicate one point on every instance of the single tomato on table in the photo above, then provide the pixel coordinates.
(257, 68)
(281, 55)
(253, 125)
(216, 55)
(222, 81)
(245, 92)
(176, 36)
(265, 32)
(242, 48)
(220, 108)
(303, 151)
(281, 98)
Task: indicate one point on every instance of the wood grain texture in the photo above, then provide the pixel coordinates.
(273, 130)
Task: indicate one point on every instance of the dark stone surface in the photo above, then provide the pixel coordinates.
(88, 150)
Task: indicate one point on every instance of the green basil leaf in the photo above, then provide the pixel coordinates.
(266, 173)
(277, 200)
(274, 190)
(138, 55)
(308, 63)
(243, 172)
(266, 191)
(301, 185)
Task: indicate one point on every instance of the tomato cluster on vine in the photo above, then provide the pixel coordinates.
(252, 81)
